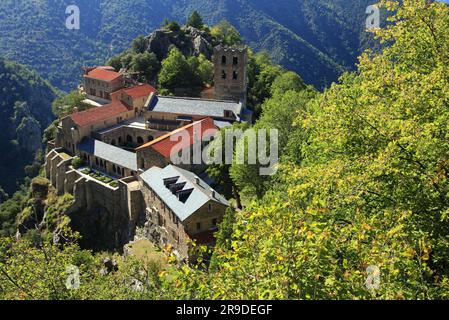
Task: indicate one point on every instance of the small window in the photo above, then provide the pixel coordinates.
(235, 75)
(198, 226)
(223, 74)
(214, 222)
(223, 60)
(210, 207)
(235, 60)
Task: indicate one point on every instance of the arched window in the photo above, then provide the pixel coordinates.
(223, 74)
(140, 140)
(223, 60)
(150, 138)
(235, 61)
(234, 75)
(129, 139)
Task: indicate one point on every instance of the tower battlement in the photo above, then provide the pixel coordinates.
(230, 73)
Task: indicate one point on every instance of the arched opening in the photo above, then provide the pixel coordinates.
(140, 140)
(129, 139)
(120, 141)
(113, 142)
(223, 74)
(150, 138)
(234, 75)
(223, 59)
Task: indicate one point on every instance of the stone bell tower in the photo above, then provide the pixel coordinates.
(230, 73)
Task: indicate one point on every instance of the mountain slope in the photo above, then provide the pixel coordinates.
(25, 111)
(316, 38)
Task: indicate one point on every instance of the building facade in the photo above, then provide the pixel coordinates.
(230, 73)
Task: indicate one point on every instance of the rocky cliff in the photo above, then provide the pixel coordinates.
(25, 111)
(191, 41)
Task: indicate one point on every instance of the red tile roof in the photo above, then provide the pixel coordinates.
(97, 114)
(103, 74)
(165, 146)
(140, 90)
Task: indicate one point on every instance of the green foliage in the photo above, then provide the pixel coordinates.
(286, 82)
(205, 70)
(226, 230)
(3, 195)
(225, 33)
(363, 181)
(39, 187)
(139, 45)
(173, 26)
(220, 172)
(115, 62)
(371, 188)
(301, 35)
(179, 72)
(262, 72)
(65, 104)
(77, 162)
(24, 110)
(11, 208)
(146, 65)
(195, 20)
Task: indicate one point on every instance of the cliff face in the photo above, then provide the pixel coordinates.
(192, 42)
(25, 111)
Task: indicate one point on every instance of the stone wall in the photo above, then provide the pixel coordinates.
(230, 73)
(105, 216)
(207, 217)
(127, 135)
(148, 158)
(164, 228)
(102, 89)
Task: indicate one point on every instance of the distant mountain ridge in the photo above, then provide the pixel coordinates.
(319, 39)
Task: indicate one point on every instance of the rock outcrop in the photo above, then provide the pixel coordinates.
(190, 41)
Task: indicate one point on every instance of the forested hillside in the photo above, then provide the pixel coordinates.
(25, 112)
(319, 39)
(358, 209)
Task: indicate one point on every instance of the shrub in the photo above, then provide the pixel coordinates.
(78, 163)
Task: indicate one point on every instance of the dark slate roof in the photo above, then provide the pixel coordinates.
(109, 153)
(193, 106)
(201, 194)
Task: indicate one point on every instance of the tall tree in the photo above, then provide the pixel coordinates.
(224, 33)
(195, 20)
